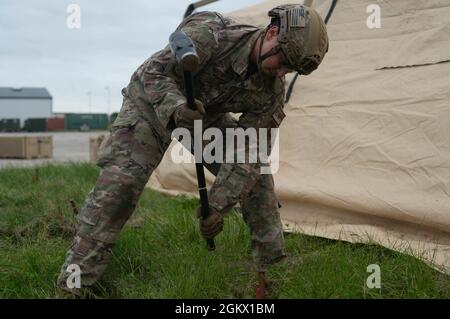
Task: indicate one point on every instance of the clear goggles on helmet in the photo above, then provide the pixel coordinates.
(308, 65)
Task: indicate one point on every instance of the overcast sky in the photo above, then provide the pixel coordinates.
(37, 49)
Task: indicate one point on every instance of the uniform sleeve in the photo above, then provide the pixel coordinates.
(235, 180)
(162, 78)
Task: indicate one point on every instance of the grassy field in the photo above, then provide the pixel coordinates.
(161, 254)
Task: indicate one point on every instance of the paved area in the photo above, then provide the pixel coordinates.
(67, 147)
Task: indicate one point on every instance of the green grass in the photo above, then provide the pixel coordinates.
(165, 256)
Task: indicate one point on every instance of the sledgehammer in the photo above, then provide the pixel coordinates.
(184, 50)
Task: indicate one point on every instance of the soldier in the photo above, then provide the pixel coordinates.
(241, 70)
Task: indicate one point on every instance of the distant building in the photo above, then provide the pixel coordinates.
(23, 103)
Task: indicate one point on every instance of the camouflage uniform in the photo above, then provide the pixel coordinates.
(142, 132)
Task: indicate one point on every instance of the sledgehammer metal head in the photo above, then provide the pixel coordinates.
(184, 50)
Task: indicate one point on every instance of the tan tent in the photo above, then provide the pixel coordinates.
(365, 146)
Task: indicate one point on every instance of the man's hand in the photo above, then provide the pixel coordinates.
(185, 117)
(211, 226)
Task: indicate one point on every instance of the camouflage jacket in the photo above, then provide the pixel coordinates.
(224, 48)
(221, 82)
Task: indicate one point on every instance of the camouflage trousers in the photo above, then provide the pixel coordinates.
(128, 157)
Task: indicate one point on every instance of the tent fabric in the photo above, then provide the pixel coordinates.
(365, 145)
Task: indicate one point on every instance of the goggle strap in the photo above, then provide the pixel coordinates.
(272, 51)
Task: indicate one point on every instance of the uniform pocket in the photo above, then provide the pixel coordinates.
(116, 149)
(128, 115)
(147, 149)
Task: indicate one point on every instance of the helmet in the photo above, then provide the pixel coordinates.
(302, 37)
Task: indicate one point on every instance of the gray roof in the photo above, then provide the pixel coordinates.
(24, 93)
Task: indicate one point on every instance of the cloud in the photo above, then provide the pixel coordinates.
(114, 39)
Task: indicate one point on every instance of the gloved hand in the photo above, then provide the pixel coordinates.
(185, 117)
(211, 226)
